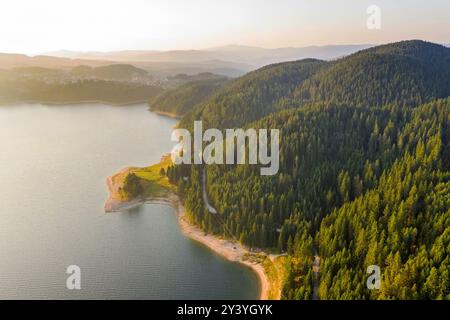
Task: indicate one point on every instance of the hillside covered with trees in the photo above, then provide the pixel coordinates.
(253, 95)
(364, 173)
(114, 92)
(182, 99)
(405, 73)
(115, 84)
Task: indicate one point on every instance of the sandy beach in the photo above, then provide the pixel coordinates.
(166, 114)
(228, 249)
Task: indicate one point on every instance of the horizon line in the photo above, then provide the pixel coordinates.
(50, 52)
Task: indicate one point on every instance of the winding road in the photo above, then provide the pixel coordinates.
(316, 267)
(316, 263)
(208, 205)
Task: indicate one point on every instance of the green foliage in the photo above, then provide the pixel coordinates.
(364, 171)
(116, 84)
(78, 91)
(402, 225)
(410, 73)
(132, 187)
(406, 73)
(180, 100)
(253, 95)
(117, 71)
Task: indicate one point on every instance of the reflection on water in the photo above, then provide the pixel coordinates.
(134, 210)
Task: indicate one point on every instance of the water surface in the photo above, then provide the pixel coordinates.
(53, 164)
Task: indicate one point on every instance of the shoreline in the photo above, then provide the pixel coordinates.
(166, 114)
(75, 102)
(113, 204)
(227, 249)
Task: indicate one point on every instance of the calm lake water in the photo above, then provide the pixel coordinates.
(53, 166)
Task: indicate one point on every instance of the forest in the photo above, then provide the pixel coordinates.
(364, 173)
(180, 100)
(114, 92)
(115, 84)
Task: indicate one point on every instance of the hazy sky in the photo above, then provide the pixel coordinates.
(33, 26)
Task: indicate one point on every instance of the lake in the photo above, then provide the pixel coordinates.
(54, 161)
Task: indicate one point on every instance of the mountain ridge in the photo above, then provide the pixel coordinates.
(361, 182)
(394, 73)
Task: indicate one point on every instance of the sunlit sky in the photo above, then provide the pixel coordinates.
(34, 26)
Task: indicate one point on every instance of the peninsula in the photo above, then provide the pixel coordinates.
(134, 186)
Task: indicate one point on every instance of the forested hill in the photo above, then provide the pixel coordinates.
(402, 225)
(253, 95)
(114, 92)
(113, 71)
(361, 183)
(182, 99)
(409, 73)
(362, 186)
(116, 84)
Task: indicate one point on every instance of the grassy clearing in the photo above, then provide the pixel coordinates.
(275, 270)
(154, 183)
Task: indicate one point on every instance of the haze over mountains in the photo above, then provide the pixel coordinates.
(9, 61)
(230, 60)
(254, 56)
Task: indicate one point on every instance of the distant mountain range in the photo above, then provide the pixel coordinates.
(251, 56)
(9, 61)
(230, 60)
